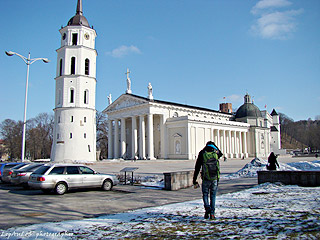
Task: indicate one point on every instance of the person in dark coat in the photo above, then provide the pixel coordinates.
(209, 187)
(272, 162)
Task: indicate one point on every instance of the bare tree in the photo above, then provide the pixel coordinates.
(11, 133)
(102, 134)
(39, 136)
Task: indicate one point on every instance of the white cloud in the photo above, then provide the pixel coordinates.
(123, 51)
(265, 4)
(233, 98)
(272, 24)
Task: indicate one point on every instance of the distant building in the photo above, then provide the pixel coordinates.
(226, 107)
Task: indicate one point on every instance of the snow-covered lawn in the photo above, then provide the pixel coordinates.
(267, 211)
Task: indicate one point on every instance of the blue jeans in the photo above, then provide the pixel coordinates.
(209, 187)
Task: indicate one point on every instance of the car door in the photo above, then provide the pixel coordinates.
(90, 178)
(73, 177)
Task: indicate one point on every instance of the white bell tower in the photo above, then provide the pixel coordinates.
(74, 137)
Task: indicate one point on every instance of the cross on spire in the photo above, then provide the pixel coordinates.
(127, 73)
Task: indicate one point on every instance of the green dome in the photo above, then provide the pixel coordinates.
(248, 110)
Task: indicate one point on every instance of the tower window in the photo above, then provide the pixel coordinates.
(71, 95)
(71, 118)
(59, 119)
(89, 148)
(86, 97)
(86, 67)
(70, 135)
(59, 96)
(60, 68)
(58, 136)
(75, 39)
(85, 135)
(73, 65)
(85, 119)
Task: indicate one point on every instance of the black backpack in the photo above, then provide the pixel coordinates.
(210, 168)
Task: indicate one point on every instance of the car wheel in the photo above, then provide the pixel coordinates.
(107, 185)
(61, 188)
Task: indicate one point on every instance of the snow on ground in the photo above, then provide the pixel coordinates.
(266, 211)
(250, 169)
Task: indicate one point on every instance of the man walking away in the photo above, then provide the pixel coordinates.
(208, 160)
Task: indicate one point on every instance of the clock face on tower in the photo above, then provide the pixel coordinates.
(86, 36)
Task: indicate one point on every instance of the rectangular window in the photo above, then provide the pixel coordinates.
(57, 171)
(89, 148)
(85, 97)
(85, 135)
(86, 66)
(71, 118)
(85, 119)
(71, 96)
(72, 170)
(74, 38)
(58, 136)
(70, 135)
(60, 70)
(73, 65)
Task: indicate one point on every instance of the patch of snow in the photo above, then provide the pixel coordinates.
(257, 164)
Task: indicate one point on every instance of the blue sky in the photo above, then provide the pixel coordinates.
(193, 52)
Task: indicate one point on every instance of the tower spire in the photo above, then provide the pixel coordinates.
(79, 7)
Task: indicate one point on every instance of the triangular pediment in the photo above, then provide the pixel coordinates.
(125, 101)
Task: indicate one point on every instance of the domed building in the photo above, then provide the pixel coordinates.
(264, 130)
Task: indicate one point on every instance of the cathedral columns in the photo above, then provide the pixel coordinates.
(134, 137)
(150, 137)
(123, 138)
(240, 145)
(142, 144)
(224, 142)
(163, 153)
(218, 139)
(110, 145)
(245, 145)
(116, 139)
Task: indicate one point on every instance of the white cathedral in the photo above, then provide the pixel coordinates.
(143, 127)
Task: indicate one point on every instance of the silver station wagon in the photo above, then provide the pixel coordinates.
(62, 177)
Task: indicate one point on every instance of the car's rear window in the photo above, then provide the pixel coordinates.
(57, 170)
(41, 170)
(23, 165)
(31, 167)
(10, 166)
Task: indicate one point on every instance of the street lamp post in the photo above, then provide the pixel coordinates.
(28, 61)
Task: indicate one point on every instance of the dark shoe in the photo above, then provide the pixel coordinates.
(212, 216)
(206, 215)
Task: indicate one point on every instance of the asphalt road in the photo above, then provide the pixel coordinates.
(24, 207)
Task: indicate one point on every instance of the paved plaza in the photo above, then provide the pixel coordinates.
(25, 207)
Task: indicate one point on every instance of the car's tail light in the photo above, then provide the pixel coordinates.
(41, 179)
(21, 174)
(10, 172)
